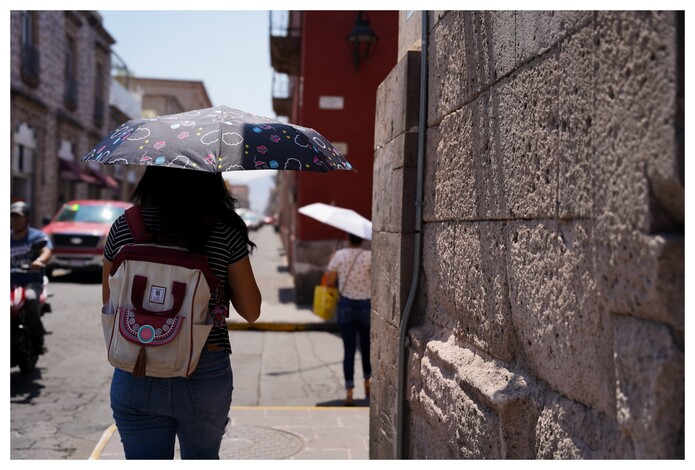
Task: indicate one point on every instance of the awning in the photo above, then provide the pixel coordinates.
(105, 179)
(72, 171)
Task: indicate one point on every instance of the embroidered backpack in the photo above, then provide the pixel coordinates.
(156, 320)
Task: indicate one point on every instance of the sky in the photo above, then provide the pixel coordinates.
(227, 50)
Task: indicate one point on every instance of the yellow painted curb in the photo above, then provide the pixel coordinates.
(96, 453)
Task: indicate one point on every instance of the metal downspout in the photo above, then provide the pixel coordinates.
(417, 254)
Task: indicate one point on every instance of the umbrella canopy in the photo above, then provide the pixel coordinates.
(218, 139)
(338, 217)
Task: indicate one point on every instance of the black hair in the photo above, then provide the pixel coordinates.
(190, 201)
(354, 239)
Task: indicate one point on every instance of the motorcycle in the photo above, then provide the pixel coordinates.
(23, 352)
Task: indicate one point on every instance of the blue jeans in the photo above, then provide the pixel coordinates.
(353, 322)
(150, 412)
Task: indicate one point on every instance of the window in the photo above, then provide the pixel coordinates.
(23, 151)
(30, 53)
(99, 95)
(70, 98)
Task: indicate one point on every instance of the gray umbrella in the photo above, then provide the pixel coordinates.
(218, 139)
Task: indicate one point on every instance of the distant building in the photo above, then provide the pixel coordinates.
(164, 96)
(326, 80)
(240, 192)
(59, 100)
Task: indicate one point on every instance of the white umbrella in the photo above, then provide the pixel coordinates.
(339, 217)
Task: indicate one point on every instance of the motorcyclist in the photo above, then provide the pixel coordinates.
(22, 239)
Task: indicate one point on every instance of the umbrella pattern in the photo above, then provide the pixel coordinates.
(218, 139)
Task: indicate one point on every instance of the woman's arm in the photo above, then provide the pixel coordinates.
(331, 277)
(105, 291)
(246, 297)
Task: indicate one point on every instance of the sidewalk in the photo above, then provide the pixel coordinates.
(271, 433)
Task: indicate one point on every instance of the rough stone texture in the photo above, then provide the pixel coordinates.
(642, 275)
(392, 267)
(570, 430)
(564, 332)
(466, 284)
(550, 317)
(634, 121)
(650, 375)
(576, 99)
(382, 409)
(395, 166)
(474, 407)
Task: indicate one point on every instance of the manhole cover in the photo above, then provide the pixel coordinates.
(257, 443)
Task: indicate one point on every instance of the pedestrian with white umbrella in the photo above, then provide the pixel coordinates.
(351, 269)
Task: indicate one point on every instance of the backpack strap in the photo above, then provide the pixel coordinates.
(136, 223)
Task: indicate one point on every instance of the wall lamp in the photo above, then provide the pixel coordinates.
(362, 36)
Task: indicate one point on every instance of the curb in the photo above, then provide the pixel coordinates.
(278, 326)
(105, 438)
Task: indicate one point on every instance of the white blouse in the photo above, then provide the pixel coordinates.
(359, 285)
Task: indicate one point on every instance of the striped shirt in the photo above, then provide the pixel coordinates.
(225, 245)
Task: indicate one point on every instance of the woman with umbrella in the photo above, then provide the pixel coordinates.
(194, 209)
(352, 268)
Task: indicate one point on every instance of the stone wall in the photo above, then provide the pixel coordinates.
(549, 321)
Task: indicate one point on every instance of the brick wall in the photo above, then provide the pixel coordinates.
(42, 106)
(549, 322)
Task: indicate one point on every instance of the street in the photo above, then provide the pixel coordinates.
(61, 409)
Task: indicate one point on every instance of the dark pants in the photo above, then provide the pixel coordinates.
(353, 321)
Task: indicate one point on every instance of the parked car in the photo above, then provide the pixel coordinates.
(78, 232)
(252, 219)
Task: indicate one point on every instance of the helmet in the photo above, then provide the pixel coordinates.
(21, 208)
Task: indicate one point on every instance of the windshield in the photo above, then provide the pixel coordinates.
(103, 214)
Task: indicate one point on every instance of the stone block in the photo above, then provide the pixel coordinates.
(525, 106)
(641, 275)
(570, 430)
(466, 284)
(637, 171)
(538, 31)
(489, 42)
(469, 51)
(397, 100)
(393, 198)
(392, 265)
(475, 408)
(450, 177)
(576, 99)
(383, 406)
(562, 329)
(650, 375)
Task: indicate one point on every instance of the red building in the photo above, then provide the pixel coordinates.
(329, 65)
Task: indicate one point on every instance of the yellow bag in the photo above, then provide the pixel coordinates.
(325, 300)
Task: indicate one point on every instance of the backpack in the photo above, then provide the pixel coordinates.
(156, 320)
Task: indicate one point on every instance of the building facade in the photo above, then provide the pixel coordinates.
(548, 319)
(326, 88)
(60, 83)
